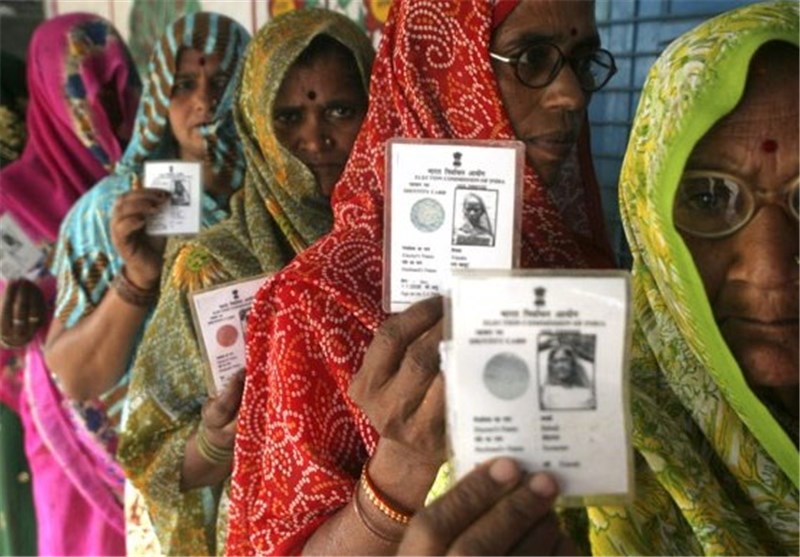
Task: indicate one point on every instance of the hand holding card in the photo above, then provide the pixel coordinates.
(538, 371)
(142, 253)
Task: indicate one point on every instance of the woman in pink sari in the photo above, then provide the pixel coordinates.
(84, 91)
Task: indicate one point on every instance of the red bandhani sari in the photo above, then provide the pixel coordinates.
(301, 441)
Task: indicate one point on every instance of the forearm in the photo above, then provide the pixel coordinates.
(92, 356)
(360, 527)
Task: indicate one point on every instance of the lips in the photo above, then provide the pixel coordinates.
(554, 146)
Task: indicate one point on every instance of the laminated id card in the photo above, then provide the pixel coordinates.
(220, 321)
(19, 256)
(538, 371)
(182, 213)
(450, 204)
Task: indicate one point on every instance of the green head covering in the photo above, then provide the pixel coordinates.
(716, 471)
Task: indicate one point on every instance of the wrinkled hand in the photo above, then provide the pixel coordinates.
(399, 386)
(24, 312)
(220, 412)
(494, 510)
(142, 253)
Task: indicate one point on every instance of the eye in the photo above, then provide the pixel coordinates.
(220, 82)
(340, 112)
(538, 59)
(183, 85)
(708, 195)
(286, 117)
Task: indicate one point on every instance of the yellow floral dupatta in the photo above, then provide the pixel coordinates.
(716, 472)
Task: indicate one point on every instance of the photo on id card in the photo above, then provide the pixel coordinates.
(19, 256)
(538, 371)
(450, 204)
(181, 214)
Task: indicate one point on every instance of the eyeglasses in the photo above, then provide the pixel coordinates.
(539, 64)
(713, 205)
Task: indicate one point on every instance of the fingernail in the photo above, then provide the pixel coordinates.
(543, 485)
(504, 471)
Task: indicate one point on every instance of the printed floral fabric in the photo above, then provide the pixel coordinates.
(301, 442)
(279, 212)
(716, 474)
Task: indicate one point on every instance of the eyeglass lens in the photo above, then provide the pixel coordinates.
(712, 206)
(540, 63)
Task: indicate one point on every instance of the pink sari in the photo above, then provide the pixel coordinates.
(84, 91)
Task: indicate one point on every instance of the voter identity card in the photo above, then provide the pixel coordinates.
(220, 319)
(19, 256)
(450, 204)
(536, 368)
(182, 213)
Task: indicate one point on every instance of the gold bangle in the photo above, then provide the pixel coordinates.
(375, 498)
(209, 451)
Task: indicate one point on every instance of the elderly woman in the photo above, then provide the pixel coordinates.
(84, 90)
(709, 192)
(302, 440)
(299, 107)
(107, 268)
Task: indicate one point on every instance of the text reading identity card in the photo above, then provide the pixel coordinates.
(536, 369)
(19, 256)
(449, 205)
(181, 214)
(220, 317)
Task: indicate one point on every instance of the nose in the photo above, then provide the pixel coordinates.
(204, 96)
(312, 136)
(767, 249)
(565, 92)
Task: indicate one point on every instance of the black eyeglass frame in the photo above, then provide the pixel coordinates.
(562, 58)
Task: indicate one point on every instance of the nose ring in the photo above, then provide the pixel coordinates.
(327, 141)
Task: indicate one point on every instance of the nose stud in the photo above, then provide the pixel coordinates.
(327, 141)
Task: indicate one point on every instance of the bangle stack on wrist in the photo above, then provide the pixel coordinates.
(209, 451)
(131, 293)
(373, 496)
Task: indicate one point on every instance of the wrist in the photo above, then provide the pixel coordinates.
(130, 291)
(401, 476)
(144, 281)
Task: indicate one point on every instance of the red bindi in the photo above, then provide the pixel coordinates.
(202, 61)
(769, 146)
(573, 31)
(312, 95)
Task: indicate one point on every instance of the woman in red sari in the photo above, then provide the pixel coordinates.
(305, 434)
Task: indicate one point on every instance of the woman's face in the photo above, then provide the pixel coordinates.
(751, 276)
(199, 84)
(547, 119)
(318, 112)
(473, 209)
(562, 365)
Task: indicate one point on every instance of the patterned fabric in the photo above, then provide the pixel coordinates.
(301, 441)
(72, 138)
(279, 212)
(83, 91)
(716, 473)
(85, 261)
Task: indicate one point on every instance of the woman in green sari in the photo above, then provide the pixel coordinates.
(709, 198)
(299, 108)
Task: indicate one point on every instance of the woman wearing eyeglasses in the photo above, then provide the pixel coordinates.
(331, 464)
(709, 193)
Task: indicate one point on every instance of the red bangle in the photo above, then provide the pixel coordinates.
(375, 498)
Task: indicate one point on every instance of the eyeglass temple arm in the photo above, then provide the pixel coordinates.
(502, 58)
